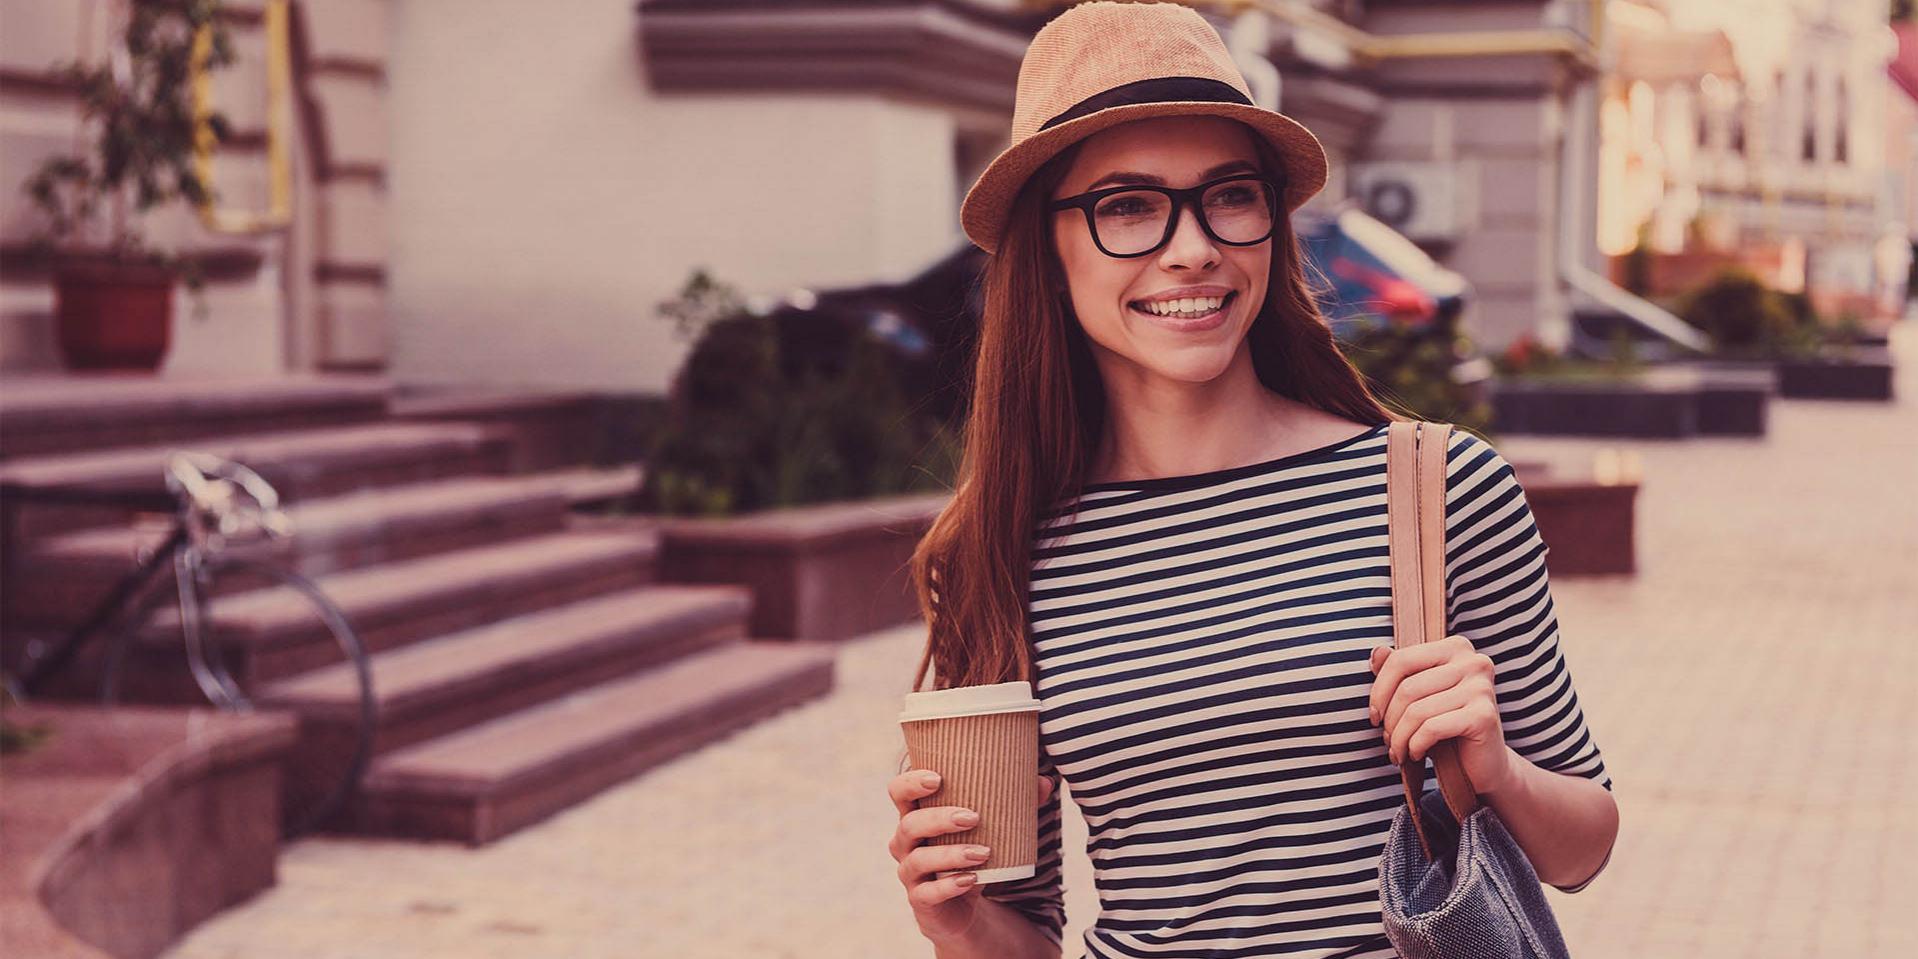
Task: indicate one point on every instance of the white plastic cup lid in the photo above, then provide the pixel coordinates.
(968, 701)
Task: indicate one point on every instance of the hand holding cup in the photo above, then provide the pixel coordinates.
(943, 907)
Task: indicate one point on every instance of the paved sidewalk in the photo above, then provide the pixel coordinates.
(1754, 689)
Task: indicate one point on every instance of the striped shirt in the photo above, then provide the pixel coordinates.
(1201, 648)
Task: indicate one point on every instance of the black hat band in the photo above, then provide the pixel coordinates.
(1155, 90)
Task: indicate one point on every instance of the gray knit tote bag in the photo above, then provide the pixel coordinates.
(1446, 891)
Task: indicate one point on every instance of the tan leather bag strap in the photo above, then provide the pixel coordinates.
(1415, 459)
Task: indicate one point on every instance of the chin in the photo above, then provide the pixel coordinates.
(1199, 369)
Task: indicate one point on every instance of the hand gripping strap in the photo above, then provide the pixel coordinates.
(1415, 457)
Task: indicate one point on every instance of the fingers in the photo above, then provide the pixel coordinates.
(1045, 788)
(916, 825)
(911, 786)
(918, 862)
(1426, 722)
(923, 861)
(1396, 666)
(933, 893)
(1414, 688)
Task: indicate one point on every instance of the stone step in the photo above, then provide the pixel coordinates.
(301, 465)
(273, 633)
(588, 486)
(73, 412)
(63, 577)
(551, 428)
(434, 687)
(488, 781)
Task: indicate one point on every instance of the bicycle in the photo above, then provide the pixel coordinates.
(213, 503)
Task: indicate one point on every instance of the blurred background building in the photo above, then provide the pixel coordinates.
(1761, 133)
(480, 191)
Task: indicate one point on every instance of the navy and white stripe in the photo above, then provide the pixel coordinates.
(1201, 649)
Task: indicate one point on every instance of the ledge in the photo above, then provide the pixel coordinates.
(128, 826)
(803, 528)
(949, 51)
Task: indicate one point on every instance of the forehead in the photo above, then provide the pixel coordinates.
(1177, 148)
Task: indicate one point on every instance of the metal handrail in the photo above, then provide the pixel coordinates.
(279, 115)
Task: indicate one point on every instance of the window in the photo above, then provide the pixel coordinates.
(1809, 115)
(1839, 146)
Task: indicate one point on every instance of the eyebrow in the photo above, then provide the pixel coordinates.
(1230, 166)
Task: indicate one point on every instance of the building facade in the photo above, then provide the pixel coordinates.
(491, 191)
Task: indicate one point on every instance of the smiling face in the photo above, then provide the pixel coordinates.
(1130, 343)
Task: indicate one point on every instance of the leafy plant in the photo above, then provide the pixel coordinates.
(1412, 369)
(783, 409)
(14, 737)
(1528, 359)
(143, 156)
(1746, 318)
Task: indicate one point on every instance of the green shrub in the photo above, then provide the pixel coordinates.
(1412, 369)
(1746, 318)
(763, 415)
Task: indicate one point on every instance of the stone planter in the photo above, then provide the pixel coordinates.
(1662, 403)
(1863, 373)
(829, 571)
(1587, 526)
(128, 826)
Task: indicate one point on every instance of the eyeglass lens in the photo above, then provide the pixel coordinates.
(1239, 211)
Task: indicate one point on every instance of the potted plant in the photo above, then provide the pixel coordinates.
(1422, 371)
(791, 463)
(113, 297)
(1752, 325)
(1540, 390)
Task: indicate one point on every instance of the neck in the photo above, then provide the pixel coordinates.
(1156, 427)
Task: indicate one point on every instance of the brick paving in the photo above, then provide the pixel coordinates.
(1754, 688)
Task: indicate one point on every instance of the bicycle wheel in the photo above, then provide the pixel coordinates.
(335, 747)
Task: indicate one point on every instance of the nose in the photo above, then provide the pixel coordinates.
(1190, 245)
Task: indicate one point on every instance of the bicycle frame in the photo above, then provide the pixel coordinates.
(191, 496)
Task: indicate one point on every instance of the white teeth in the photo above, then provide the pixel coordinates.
(1200, 304)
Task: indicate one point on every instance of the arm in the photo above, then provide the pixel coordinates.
(1562, 822)
(1557, 800)
(998, 932)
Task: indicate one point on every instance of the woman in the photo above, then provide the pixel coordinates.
(1171, 519)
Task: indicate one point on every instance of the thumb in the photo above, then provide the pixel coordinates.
(1046, 787)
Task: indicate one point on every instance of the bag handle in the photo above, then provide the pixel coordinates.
(1415, 460)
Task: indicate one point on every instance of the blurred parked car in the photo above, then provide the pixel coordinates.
(1376, 276)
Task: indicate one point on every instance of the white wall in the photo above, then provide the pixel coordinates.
(543, 200)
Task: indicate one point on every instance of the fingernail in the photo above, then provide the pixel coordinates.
(978, 852)
(930, 780)
(965, 879)
(1373, 715)
(966, 817)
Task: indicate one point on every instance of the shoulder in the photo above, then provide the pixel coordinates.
(1469, 451)
(1476, 474)
(1470, 457)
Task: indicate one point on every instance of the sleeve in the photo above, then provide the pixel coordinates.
(1041, 899)
(1499, 596)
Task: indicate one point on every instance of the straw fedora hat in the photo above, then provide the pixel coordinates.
(1097, 65)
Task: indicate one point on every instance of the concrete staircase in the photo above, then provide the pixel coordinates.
(524, 657)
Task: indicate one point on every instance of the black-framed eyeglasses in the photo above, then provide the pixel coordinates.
(1129, 221)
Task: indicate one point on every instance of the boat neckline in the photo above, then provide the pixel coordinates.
(1189, 480)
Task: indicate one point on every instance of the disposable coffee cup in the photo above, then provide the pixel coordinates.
(983, 741)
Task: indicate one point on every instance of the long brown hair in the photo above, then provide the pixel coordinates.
(1036, 415)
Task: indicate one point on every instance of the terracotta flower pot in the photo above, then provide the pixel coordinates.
(113, 315)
